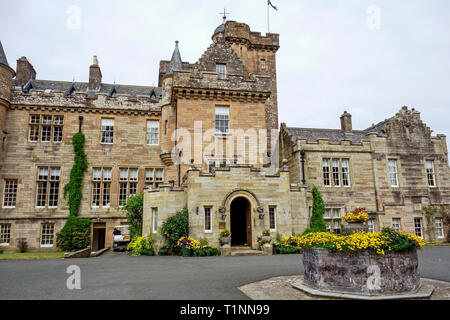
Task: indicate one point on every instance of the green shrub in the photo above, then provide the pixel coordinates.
(163, 251)
(174, 229)
(317, 222)
(203, 242)
(75, 235)
(141, 246)
(135, 207)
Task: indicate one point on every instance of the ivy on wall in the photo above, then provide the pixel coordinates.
(436, 211)
(75, 235)
(75, 185)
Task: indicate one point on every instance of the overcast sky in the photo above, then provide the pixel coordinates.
(367, 57)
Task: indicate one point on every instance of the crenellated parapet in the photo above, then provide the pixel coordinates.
(81, 101)
(207, 85)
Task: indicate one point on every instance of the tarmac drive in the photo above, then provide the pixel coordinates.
(119, 276)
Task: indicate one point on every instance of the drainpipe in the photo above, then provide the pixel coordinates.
(302, 153)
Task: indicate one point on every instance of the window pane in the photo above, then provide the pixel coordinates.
(47, 234)
(393, 172)
(152, 132)
(123, 174)
(148, 174)
(107, 131)
(96, 194)
(418, 227)
(345, 171)
(208, 219)
(107, 174)
(159, 174)
(439, 228)
(336, 180)
(326, 172)
(46, 133)
(42, 173)
(222, 70)
(336, 213)
(5, 233)
(97, 173)
(272, 217)
(53, 195)
(10, 194)
(326, 213)
(396, 224)
(106, 194)
(133, 174)
(122, 193)
(222, 119)
(57, 134)
(155, 219)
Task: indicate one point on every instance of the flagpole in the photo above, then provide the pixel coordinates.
(268, 25)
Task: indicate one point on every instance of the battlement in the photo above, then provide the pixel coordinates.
(241, 33)
(208, 84)
(83, 100)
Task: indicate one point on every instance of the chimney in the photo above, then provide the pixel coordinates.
(346, 122)
(24, 72)
(95, 76)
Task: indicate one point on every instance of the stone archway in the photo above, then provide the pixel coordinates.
(241, 222)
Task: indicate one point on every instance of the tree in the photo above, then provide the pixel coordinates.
(175, 228)
(317, 222)
(135, 207)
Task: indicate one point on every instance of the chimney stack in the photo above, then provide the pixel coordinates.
(24, 72)
(95, 76)
(346, 122)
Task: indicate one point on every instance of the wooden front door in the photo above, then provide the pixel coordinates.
(249, 225)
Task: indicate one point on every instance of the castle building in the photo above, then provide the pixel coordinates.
(206, 139)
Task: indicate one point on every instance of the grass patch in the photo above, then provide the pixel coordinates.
(32, 255)
(431, 244)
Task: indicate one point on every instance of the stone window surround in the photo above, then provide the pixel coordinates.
(47, 235)
(154, 210)
(131, 183)
(5, 234)
(40, 124)
(210, 207)
(103, 130)
(332, 219)
(101, 181)
(49, 182)
(418, 226)
(433, 173)
(397, 168)
(439, 227)
(340, 172)
(274, 207)
(6, 191)
(149, 120)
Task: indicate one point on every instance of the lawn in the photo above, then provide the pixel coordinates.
(32, 255)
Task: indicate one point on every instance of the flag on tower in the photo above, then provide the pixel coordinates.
(270, 4)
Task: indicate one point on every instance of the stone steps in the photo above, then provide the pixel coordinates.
(245, 251)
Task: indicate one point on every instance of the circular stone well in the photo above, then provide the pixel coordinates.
(361, 272)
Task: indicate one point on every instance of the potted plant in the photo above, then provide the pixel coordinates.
(356, 221)
(187, 245)
(225, 237)
(266, 237)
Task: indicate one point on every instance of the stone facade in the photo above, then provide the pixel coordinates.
(403, 141)
(236, 74)
(217, 191)
(364, 272)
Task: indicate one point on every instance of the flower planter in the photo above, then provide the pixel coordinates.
(266, 239)
(186, 252)
(355, 227)
(361, 272)
(225, 240)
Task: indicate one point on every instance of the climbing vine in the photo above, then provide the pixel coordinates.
(434, 211)
(75, 185)
(75, 234)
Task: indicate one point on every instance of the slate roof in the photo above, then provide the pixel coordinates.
(175, 63)
(220, 28)
(3, 59)
(312, 134)
(105, 88)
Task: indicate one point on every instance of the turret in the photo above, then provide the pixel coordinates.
(6, 76)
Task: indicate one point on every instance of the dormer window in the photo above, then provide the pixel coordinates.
(221, 69)
(113, 92)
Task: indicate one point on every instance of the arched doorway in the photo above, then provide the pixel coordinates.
(240, 221)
